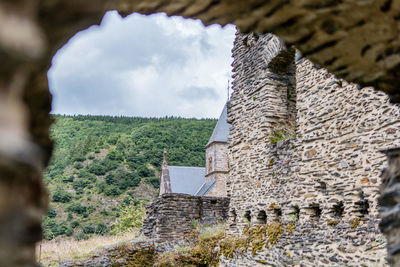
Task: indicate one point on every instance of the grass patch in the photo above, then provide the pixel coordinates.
(281, 135)
(54, 251)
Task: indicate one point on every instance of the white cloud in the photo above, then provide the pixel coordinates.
(144, 66)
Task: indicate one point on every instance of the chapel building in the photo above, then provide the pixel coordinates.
(201, 181)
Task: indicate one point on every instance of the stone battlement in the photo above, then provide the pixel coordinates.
(170, 217)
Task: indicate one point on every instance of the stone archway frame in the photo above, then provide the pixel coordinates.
(357, 40)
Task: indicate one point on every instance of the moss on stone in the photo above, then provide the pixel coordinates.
(332, 223)
(135, 255)
(273, 206)
(274, 231)
(290, 227)
(207, 251)
(271, 161)
(355, 222)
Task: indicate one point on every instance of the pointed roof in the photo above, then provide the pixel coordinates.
(186, 180)
(221, 130)
(205, 188)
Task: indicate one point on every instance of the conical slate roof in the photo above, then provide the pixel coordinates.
(221, 130)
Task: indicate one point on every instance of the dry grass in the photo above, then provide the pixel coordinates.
(54, 251)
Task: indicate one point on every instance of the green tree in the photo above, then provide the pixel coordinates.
(130, 219)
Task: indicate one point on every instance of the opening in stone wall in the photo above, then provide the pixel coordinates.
(294, 214)
(277, 214)
(123, 91)
(362, 207)
(338, 209)
(247, 216)
(283, 65)
(261, 217)
(314, 211)
(233, 215)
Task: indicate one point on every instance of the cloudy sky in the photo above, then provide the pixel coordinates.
(143, 66)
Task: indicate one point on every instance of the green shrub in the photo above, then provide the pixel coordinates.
(81, 236)
(61, 196)
(110, 165)
(51, 213)
(104, 212)
(69, 231)
(126, 201)
(143, 171)
(48, 234)
(113, 140)
(83, 174)
(114, 155)
(112, 191)
(109, 178)
(62, 228)
(101, 229)
(154, 181)
(74, 224)
(69, 178)
(90, 209)
(77, 208)
(88, 229)
(101, 186)
(79, 158)
(78, 165)
(130, 219)
(96, 168)
(79, 184)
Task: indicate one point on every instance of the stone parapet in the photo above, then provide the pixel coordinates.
(171, 216)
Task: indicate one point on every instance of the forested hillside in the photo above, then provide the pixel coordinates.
(102, 166)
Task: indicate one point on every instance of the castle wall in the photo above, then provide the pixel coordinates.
(170, 217)
(325, 180)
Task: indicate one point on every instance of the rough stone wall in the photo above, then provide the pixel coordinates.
(217, 168)
(326, 179)
(170, 217)
(390, 210)
(219, 189)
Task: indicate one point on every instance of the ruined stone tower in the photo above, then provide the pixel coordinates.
(319, 187)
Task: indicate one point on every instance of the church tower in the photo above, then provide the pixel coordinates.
(217, 166)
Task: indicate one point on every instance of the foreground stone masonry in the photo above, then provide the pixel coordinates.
(390, 208)
(326, 179)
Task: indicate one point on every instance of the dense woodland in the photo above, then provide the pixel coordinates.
(103, 167)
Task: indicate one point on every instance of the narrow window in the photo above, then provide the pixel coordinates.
(247, 216)
(338, 209)
(232, 215)
(262, 217)
(315, 211)
(294, 214)
(362, 207)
